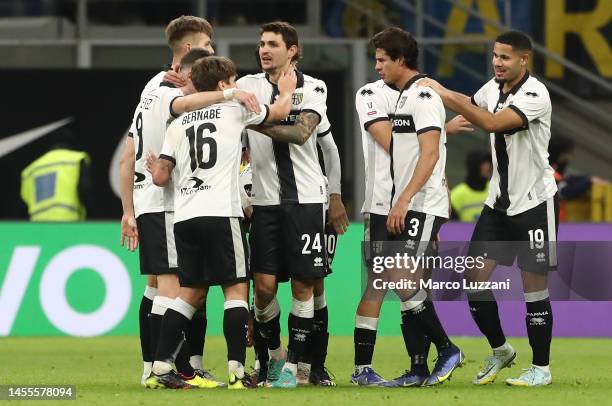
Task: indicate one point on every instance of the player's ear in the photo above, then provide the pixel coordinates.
(221, 85)
(525, 59)
(292, 51)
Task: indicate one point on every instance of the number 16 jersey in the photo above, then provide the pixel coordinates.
(206, 146)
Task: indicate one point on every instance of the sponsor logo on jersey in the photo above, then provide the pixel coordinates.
(532, 94)
(403, 123)
(319, 89)
(424, 95)
(318, 261)
(366, 92)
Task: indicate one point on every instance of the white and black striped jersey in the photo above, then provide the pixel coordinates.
(418, 110)
(148, 128)
(286, 173)
(205, 146)
(375, 102)
(522, 176)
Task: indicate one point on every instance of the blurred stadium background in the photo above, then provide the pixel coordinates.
(78, 66)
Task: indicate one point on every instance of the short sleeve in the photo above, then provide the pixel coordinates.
(168, 151)
(480, 98)
(530, 105)
(428, 110)
(370, 107)
(132, 129)
(315, 98)
(167, 96)
(251, 118)
(324, 127)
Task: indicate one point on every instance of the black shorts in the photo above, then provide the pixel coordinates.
(535, 228)
(157, 250)
(211, 251)
(420, 234)
(374, 235)
(288, 241)
(331, 241)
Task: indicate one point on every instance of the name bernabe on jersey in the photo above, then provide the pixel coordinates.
(199, 115)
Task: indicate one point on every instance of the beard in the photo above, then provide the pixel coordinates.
(500, 81)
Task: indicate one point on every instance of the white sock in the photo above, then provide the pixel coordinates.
(236, 368)
(146, 366)
(360, 368)
(161, 367)
(545, 368)
(257, 364)
(291, 367)
(277, 353)
(196, 362)
(503, 348)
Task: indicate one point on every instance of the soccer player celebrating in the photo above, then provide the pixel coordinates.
(419, 204)
(205, 148)
(148, 208)
(287, 232)
(514, 107)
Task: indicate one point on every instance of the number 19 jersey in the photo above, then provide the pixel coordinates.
(206, 146)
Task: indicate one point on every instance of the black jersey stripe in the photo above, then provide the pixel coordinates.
(284, 164)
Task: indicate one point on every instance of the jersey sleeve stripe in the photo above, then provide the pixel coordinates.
(324, 133)
(267, 114)
(431, 128)
(167, 158)
(130, 135)
(473, 100)
(367, 124)
(521, 114)
(172, 111)
(312, 111)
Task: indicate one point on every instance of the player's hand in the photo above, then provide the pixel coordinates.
(248, 100)
(397, 217)
(173, 77)
(337, 214)
(287, 81)
(458, 124)
(129, 232)
(429, 82)
(150, 161)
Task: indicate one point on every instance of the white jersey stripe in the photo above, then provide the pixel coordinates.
(552, 231)
(170, 244)
(238, 248)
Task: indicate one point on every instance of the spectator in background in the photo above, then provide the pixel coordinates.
(467, 198)
(561, 152)
(53, 186)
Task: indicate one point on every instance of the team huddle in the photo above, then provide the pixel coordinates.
(210, 159)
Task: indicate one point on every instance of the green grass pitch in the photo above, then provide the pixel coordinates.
(106, 371)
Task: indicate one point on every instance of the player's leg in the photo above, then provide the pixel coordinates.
(489, 234)
(235, 320)
(266, 244)
(148, 352)
(319, 339)
(260, 371)
(539, 228)
(368, 310)
(172, 337)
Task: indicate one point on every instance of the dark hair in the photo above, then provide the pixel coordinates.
(289, 34)
(193, 55)
(516, 39)
(398, 43)
(182, 26)
(207, 72)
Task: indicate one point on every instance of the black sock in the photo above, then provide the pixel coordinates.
(259, 344)
(486, 315)
(539, 321)
(424, 317)
(417, 344)
(299, 332)
(146, 347)
(172, 336)
(155, 322)
(319, 339)
(196, 332)
(182, 364)
(364, 340)
(235, 321)
(270, 332)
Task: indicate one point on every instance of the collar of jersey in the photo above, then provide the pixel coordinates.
(414, 79)
(300, 79)
(516, 87)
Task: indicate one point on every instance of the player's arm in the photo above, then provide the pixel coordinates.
(381, 131)
(298, 133)
(429, 145)
(458, 124)
(129, 231)
(201, 100)
(331, 159)
(160, 168)
(506, 119)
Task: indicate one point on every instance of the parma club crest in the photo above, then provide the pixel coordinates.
(296, 98)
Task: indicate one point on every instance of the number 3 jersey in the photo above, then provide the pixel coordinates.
(419, 110)
(148, 128)
(206, 146)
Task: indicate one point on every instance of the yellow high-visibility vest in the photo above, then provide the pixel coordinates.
(49, 186)
(467, 202)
